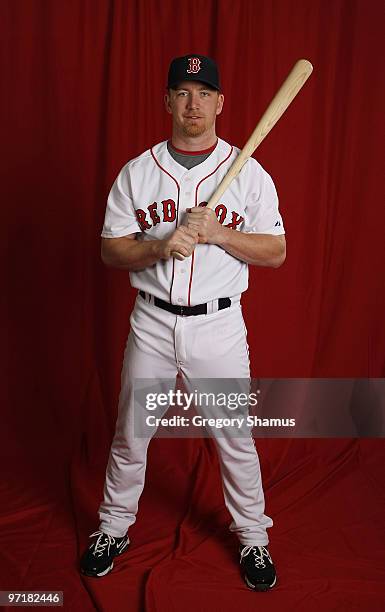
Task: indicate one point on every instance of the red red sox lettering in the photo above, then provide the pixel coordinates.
(165, 212)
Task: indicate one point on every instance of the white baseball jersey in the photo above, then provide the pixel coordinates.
(150, 196)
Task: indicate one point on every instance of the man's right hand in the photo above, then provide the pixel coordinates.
(183, 241)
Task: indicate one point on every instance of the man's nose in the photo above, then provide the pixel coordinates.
(193, 99)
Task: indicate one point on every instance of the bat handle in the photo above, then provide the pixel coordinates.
(177, 255)
(210, 204)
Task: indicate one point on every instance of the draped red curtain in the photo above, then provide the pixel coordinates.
(83, 82)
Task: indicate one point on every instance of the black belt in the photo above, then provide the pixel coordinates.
(187, 311)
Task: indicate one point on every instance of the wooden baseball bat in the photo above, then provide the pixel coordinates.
(295, 80)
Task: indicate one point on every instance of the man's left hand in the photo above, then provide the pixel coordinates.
(205, 222)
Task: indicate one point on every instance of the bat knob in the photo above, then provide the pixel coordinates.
(177, 255)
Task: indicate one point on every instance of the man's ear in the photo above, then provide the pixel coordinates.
(167, 104)
(221, 100)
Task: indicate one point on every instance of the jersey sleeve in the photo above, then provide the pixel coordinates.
(262, 214)
(120, 218)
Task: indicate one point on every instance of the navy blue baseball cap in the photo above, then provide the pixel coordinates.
(193, 68)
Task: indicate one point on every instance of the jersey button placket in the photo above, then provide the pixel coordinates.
(181, 279)
(180, 282)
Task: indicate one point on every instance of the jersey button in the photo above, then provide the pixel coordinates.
(180, 300)
(183, 270)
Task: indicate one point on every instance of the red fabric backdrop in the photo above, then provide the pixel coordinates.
(83, 82)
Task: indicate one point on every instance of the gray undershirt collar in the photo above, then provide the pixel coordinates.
(188, 161)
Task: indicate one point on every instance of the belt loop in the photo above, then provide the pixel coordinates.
(147, 297)
(214, 306)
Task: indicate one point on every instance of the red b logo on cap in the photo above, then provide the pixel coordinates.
(194, 65)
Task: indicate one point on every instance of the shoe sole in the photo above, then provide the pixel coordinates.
(259, 587)
(108, 569)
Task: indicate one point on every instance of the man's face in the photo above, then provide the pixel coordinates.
(194, 107)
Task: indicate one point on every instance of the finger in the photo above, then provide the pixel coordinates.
(198, 210)
(182, 249)
(191, 232)
(194, 227)
(187, 241)
(196, 213)
(191, 237)
(200, 230)
(187, 235)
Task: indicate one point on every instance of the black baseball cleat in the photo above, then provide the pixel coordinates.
(98, 559)
(257, 567)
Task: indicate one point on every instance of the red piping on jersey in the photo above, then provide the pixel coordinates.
(191, 271)
(209, 150)
(196, 204)
(177, 211)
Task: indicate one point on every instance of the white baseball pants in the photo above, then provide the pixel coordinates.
(204, 346)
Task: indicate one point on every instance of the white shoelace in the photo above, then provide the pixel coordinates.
(259, 552)
(99, 545)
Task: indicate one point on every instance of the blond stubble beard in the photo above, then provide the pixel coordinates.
(194, 130)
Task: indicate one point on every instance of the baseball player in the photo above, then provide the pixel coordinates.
(187, 318)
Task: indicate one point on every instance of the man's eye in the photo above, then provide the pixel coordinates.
(182, 93)
(205, 93)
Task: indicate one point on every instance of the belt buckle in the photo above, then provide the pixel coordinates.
(181, 311)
